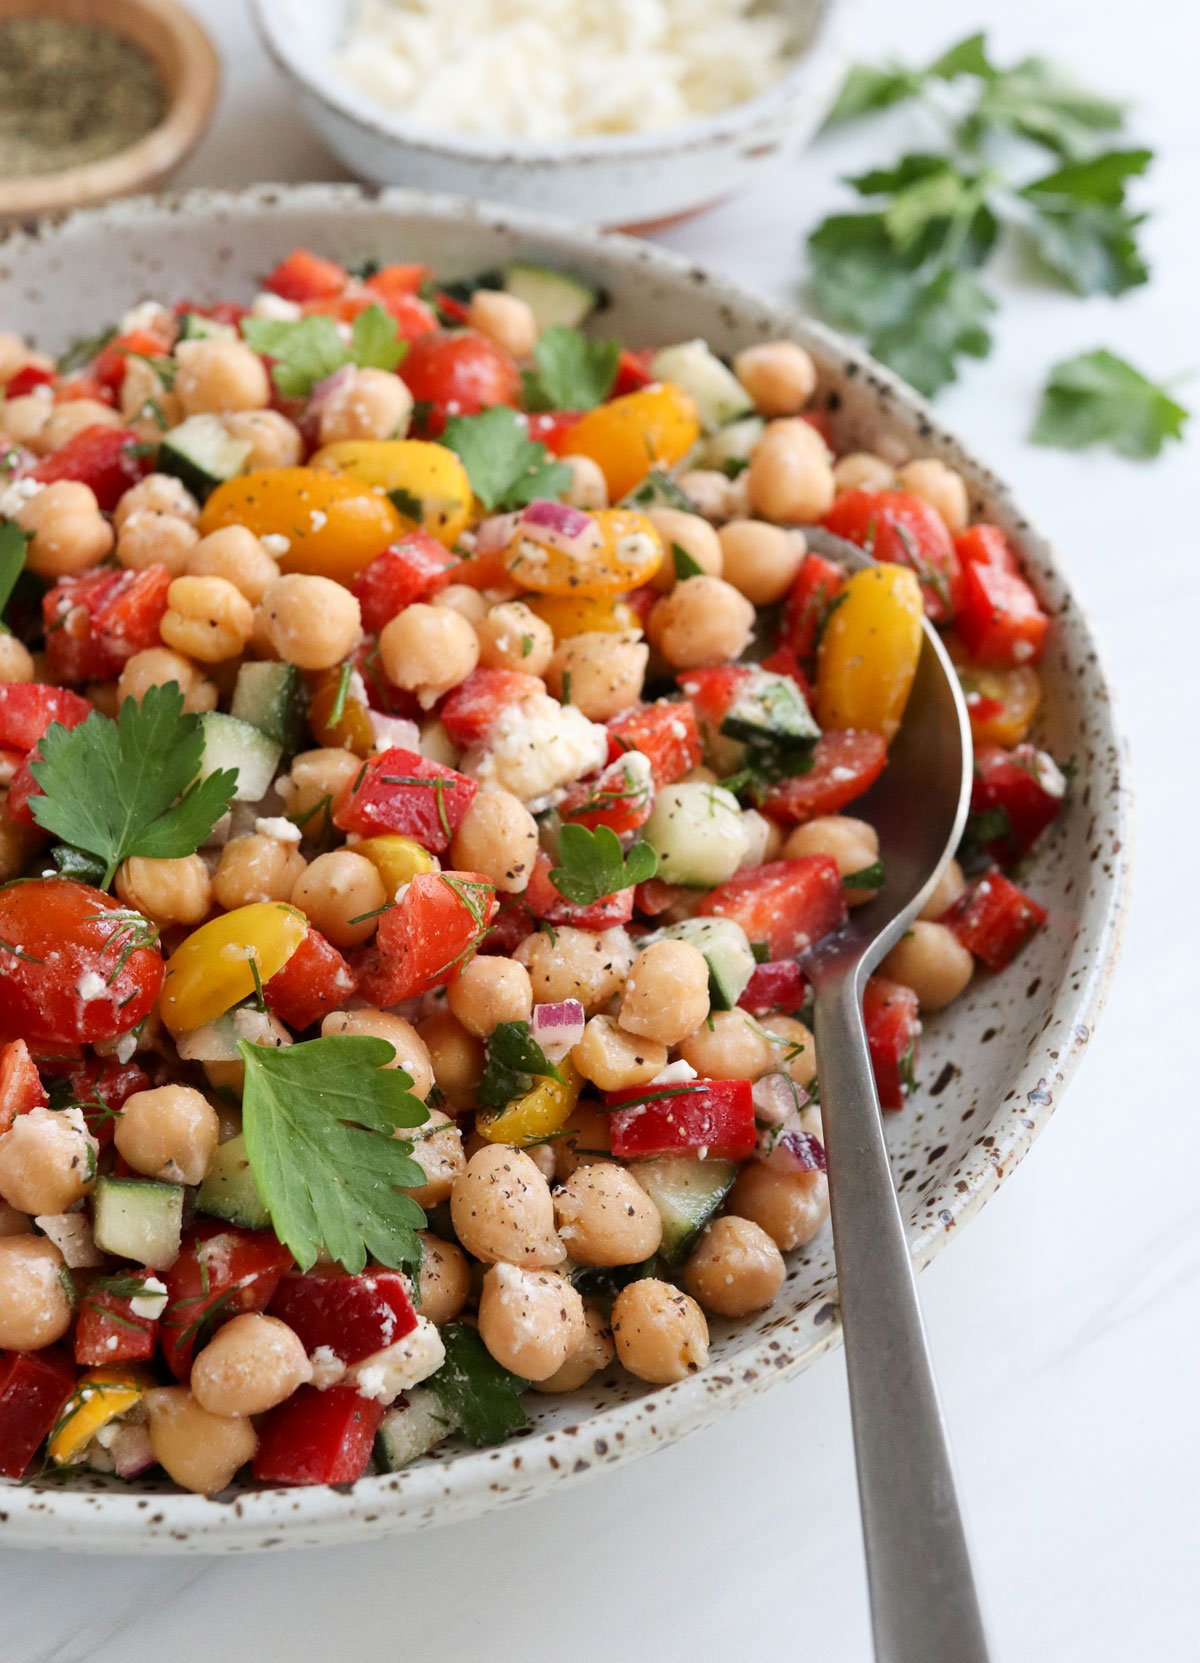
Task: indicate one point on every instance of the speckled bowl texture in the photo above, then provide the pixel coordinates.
(991, 1070)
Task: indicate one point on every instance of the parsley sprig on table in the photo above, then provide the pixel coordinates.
(1099, 399)
(592, 864)
(306, 350)
(507, 468)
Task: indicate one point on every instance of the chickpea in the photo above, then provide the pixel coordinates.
(931, 960)
(47, 1161)
(455, 1056)
(613, 1059)
(256, 868)
(13, 1222)
(766, 839)
(213, 376)
(311, 621)
(467, 602)
(427, 650)
(341, 893)
(704, 621)
(587, 965)
(275, 442)
(505, 319)
(158, 493)
(17, 844)
(15, 353)
(69, 532)
(169, 1132)
(779, 376)
(587, 1137)
(606, 671)
(852, 845)
(588, 488)
(660, 1333)
(940, 486)
(530, 1320)
(731, 1045)
(735, 1268)
(502, 1209)
(316, 778)
(708, 490)
(860, 471)
(234, 553)
(790, 1206)
(16, 660)
(147, 539)
(690, 533)
(445, 1280)
(435, 743)
(793, 1049)
(23, 420)
(207, 618)
(490, 990)
(154, 667)
(593, 1353)
(366, 404)
(67, 420)
(498, 837)
(666, 994)
(166, 891)
(200, 1451)
(945, 892)
(760, 560)
(437, 1148)
(512, 637)
(790, 478)
(412, 1054)
(605, 1217)
(251, 1364)
(144, 399)
(35, 1308)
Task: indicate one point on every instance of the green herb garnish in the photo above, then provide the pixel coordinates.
(480, 1397)
(1099, 399)
(515, 1062)
(306, 350)
(593, 865)
(573, 371)
(507, 468)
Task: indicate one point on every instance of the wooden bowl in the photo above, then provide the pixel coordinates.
(187, 62)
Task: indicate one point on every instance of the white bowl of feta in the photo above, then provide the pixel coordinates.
(617, 112)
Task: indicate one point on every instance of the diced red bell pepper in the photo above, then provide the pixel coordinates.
(1028, 788)
(546, 904)
(84, 385)
(21, 1087)
(412, 316)
(353, 1316)
(21, 787)
(999, 620)
(665, 731)
(551, 427)
(893, 1021)
(654, 896)
(108, 1331)
(472, 710)
(508, 929)
(318, 1437)
(708, 1117)
(458, 373)
(403, 792)
(303, 276)
(711, 692)
(903, 530)
(619, 797)
(814, 589)
(788, 904)
(102, 1085)
(109, 459)
(994, 919)
(450, 308)
(777, 986)
(97, 622)
(221, 1271)
(27, 709)
(633, 371)
(985, 545)
(26, 379)
(846, 762)
(411, 570)
(111, 363)
(425, 939)
(34, 1385)
(398, 278)
(315, 980)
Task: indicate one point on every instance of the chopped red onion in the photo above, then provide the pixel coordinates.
(496, 532)
(798, 1151)
(556, 525)
(324, 389)
(130, 1450)
(557, 1027)
(777, 1100)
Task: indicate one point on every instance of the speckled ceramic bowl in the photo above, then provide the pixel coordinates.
(619, 179)
(991, 1070)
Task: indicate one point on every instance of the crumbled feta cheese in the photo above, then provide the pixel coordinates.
(125, 1046)
(275, 307)
(385, 1374)
(90, 987)
(537, 747)
(16, 494)
(674, 1074)
(149, 314)
(275, 543)
(317, 519)
(327, 1367)
(257, 1027)
(152, 1301)
(274, 825)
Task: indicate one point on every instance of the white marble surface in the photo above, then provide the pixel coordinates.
(1064, 1320)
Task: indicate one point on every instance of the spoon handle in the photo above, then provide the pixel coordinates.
(924, 1607)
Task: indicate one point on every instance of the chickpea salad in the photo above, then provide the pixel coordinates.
(428, 749)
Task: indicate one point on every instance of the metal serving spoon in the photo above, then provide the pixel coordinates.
(924, 1607)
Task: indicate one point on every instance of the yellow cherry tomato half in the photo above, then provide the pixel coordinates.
(100, 1396)
(652, 428)
(336, 718)
(397, 859)
(624, 550)
(426, 477)
(213, 969)
(334, 525)
(542, 1111)
(583, 615)
(869, 651)
(1000, 702)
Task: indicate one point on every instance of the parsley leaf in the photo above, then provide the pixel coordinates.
(1037, 100)
(319, 1120)
(129, 787)
(507, 468)
(866, 90)
(306, 350)
(13, 543)
(84, 352)
(593, 864)
(1082, 231)
(573, 371)
(685, 565)
(481, 1397)
(1100, 399)
(515, 1061)
(374, 340)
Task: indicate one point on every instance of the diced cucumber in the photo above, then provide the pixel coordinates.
(659, 490)
(687, 1192)
(194, 327)
(418, 1423)
(717, 393)
(139, 1219)
(732, 444)
(727, 949)
(201, 454)
(272, 698)
(229, 1190)
(770, 711)
(698, 834)
(555, 297)
(231, 743)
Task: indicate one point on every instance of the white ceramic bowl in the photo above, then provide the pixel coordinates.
(991, 1070)
(627, 180)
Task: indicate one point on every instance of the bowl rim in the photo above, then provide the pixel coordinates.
(818, 63)
(435, 1492)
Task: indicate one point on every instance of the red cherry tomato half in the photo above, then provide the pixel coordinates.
(459, 373)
